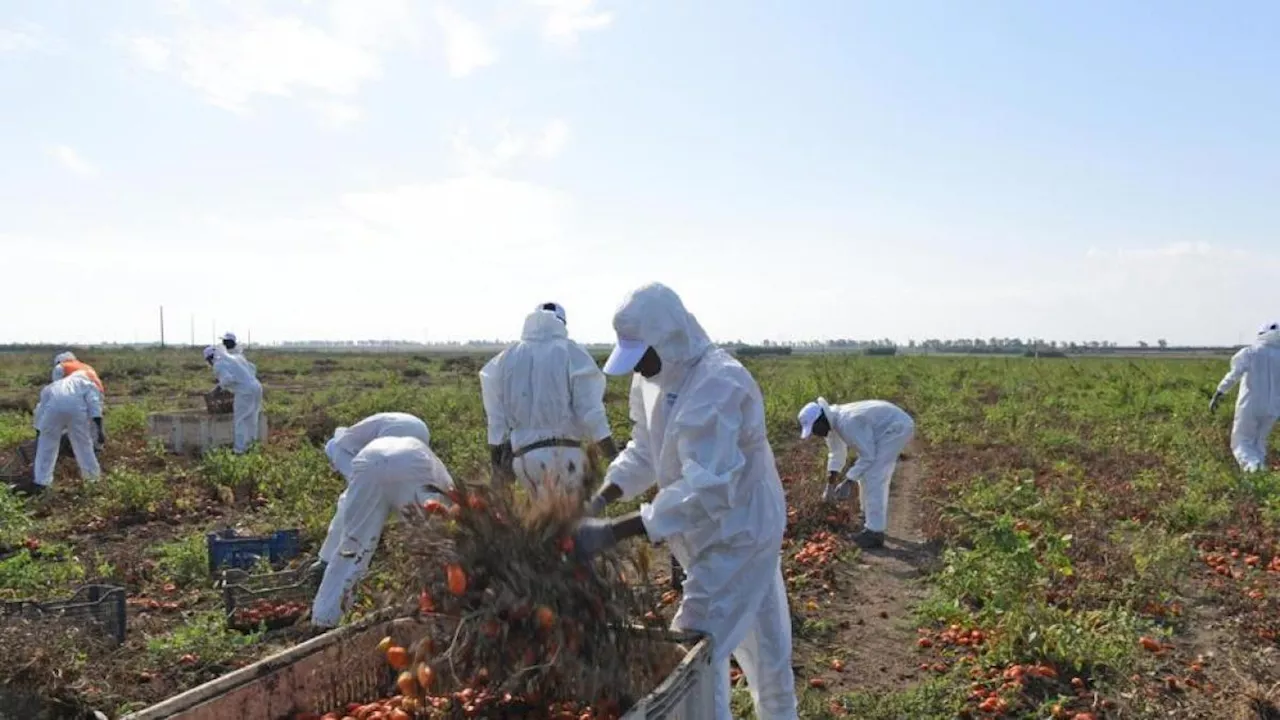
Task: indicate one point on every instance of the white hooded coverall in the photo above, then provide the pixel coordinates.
(68, 405)
(347, 442)
(387, 475)
(879, 430)
(699, 434)
(1257, 369)
(238, 376)
(545, 387)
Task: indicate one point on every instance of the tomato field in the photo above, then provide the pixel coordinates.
(1069, 537)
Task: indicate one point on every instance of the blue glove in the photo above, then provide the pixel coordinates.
(594, 535)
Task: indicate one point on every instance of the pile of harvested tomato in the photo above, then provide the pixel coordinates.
(266, 611)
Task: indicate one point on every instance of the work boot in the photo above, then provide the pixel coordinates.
(869, 539)
(30, 489)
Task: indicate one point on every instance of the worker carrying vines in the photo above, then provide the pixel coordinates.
(699, 435)
(342, 449)
(387, 475)
(544, 398)
(239, 377)
(1257, 369)
(879, 431)
(70, 405)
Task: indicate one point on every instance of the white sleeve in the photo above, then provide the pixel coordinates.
(40, 408)
(632, 471)
(1239, 365)
(711, 463)
(93, 400)
(837, 452)
(491, 396)
(586, 390)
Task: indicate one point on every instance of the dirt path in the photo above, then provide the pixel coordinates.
(875, 636)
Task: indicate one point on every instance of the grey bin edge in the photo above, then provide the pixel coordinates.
(688, 693)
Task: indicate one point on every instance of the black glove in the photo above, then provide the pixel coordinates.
(593, 536)
(316, 571)
(608, 448)
(1213, 404)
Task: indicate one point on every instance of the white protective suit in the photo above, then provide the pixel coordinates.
(387, 475)
(699, 434)
(1257, 369)
(238, 376)
(545, 388)
(879, 431)
(67, 406)
(347, 443)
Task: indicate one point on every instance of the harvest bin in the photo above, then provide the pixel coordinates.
(99, 606)
(241, 592)
(227, 550)
(197, 431)
(344, 666)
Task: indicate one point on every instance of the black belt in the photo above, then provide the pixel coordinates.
(553, 442)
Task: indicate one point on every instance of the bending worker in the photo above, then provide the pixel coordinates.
(543, 397)
(342, 450)
(238, 376)
(72, 405)
(1257, 369)
(389, 474)
(879, 430)
(699, 434)
(66, 363)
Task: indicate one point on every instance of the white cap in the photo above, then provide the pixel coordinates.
(809, 415)
(556, 308)
(1270, 327)
(64, 357)
(229, 336)
(625, 355)
(209, 352)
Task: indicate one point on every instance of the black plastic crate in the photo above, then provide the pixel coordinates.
(97, 605)
(226, 550)
(244, 594)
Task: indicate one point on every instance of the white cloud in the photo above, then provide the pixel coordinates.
(466, 48)
(71, 160)
(339, 114)
(27, 37)
(150, 53)
(567, 19)
(255, 53)
(462, 215)
(511, 147)
(554, 139)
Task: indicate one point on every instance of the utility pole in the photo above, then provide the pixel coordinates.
(193, 329)
(161, 327)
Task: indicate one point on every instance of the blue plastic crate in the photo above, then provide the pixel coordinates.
(228, 551)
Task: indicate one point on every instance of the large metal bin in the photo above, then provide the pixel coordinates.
(344, 666)
(196, 431)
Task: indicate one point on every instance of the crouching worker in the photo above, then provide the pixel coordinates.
(342, 449)
(72, 405)
(387, 475)
(879, 431)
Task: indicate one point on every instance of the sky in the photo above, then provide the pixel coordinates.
(423, 170)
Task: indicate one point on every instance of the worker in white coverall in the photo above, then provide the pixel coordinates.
(1257, 369)
(342, 449)
(699, 434)
(879, 431)
(389, 474)
(238, 376)
(229, 343)
(543, 398)
(72, 405)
